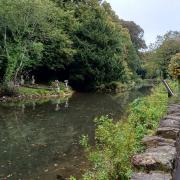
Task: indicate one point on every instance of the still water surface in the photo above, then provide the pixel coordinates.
(39, 139)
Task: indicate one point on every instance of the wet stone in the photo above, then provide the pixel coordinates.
(152, 176)
(168, 132)
(160, 158)
(154, 141)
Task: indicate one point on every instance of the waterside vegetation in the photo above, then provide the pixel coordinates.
(116, 143)
(86, 43)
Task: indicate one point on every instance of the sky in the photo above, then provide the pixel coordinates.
(156, 17)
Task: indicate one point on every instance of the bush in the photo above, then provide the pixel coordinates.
(116, 143)
(174, 66)
(8, 90)
(113, 87)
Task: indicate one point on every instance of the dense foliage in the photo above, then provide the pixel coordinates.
(27, 29)
(174, 66)
(83, 41)
(136, 33)
(117, 142)
(158, 58)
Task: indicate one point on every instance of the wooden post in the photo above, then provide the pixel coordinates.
(170, 92)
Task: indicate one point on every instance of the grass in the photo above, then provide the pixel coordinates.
(28, 91)
(36, 92)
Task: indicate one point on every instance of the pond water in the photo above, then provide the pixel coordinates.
(40, 139)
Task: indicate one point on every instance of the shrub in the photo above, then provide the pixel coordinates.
(174, 66)
(117, 142)
(8, 90)
(113, 87)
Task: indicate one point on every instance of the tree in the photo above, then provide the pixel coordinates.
(169, 47)
(80, 40)
(100, 54)
(135, 42)
(136, 33)
(158, 58)
(25, 27)
(174, 67)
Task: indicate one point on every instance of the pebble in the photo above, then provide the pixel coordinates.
(55, 165)
(46, 170)
(9, 175)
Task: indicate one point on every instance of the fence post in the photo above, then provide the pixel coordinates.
(170, 92)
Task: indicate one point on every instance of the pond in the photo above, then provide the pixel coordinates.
(40, 139)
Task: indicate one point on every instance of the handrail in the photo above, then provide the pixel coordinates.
(170, 92)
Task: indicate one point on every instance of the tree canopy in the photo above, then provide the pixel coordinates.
(158, 58)
(174, 66)
(83, 41)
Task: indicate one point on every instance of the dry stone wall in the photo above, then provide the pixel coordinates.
(160, 161)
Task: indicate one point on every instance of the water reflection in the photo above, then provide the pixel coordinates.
(33, 105)
(39, 139)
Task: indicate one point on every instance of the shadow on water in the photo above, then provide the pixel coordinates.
(39, 140)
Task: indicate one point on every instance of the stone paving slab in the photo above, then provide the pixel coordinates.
(160, 158)
(173, 116)
(170, 123)
(161, 152)
(168, 132)
(154, 141)
(174, 108)
(152, 176)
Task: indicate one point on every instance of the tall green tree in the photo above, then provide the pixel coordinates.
(133, 43)
(136, 33)
(169, 47)
(80, 40)
(100, 56)
(25, 27)
(157, 59)
(174, 67)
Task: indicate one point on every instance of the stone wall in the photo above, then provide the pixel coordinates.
(160, 161)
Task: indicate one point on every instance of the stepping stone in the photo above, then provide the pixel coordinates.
(174, 109)
(175, 105)
(160, 158)
(168, 132)
(152, 176)
(173, 117)
(154, 141)
(170, 123)
(175, 114)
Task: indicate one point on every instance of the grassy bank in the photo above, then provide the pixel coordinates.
(117, 142)
(36, 92)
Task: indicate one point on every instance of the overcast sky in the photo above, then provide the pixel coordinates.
(156, 17)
